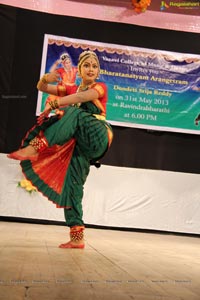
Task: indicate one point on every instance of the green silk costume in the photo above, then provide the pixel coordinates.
(61, 170)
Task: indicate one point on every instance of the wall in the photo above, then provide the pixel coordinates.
(116, 11)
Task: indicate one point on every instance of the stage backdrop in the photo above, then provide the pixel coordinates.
(143, 174)
(23, 33)
(131, 198)
(147, 88)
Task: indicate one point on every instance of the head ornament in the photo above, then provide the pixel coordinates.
(65, 56)
(87, 54)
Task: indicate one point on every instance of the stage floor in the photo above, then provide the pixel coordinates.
(115, 265)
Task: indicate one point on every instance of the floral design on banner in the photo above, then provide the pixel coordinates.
(140, 6)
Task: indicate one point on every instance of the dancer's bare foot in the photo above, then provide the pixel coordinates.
(27, 153)
(73, 245)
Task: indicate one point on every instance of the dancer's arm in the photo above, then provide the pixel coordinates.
(80, 97)
(55, 65)
(45, 86)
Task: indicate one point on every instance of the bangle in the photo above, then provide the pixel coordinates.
(61, 90)
(44, 79)
(53, 104)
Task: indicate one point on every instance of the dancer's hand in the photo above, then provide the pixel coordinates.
(53, 77)
(196, 88)
(44, 114)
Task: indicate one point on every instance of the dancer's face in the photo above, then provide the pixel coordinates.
(89, 70)
(67, 64)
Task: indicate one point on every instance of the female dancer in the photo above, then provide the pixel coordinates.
(67, 72)
(56, 153)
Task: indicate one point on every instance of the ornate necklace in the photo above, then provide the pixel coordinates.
(81, 88)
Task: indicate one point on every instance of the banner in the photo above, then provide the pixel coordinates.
(147, 88)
